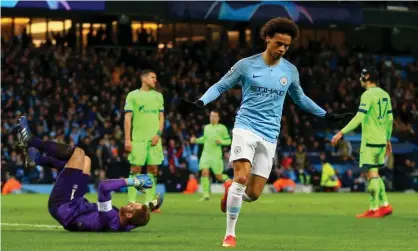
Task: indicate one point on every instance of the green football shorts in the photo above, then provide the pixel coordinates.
(372, 155)
(216, 165)
(144, 154)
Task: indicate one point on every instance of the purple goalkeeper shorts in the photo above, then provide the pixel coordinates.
(67, 194)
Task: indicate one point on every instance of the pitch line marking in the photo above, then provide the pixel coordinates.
(28, 225)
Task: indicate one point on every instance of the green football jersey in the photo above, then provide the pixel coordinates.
(211, 133)
(145, 107)
(375, 116)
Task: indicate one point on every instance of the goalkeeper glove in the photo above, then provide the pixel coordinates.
(337, 117)
(142, 182)
(185, 106)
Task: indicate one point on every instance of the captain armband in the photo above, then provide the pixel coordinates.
(104, 206)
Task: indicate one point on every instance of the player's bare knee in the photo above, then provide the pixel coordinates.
(135, 169)
(242, 179)
(205, 172)
(87, 165)
(77, 159)
(152, 170)
(78, 153)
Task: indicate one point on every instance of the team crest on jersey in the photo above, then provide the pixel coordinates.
(237, 150)
(230, 71)
(283, 81)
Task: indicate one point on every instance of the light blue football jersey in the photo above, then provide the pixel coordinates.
(264, 90)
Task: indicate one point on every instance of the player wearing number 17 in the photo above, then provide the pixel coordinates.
(376, 119)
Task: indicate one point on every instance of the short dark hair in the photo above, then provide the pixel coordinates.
(279, 25)
(146, 72)
(373, 73)
(141, 216)
(216, 110)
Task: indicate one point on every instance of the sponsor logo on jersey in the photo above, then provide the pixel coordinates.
(267, 92)
(142, 109)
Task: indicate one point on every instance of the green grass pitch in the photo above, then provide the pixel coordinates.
(304, 222)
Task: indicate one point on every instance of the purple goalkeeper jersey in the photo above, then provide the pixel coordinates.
(75, 213)
(90, 219)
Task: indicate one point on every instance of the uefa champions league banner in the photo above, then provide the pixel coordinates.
(300, 12)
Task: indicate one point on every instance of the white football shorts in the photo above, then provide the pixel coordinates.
(248, 145)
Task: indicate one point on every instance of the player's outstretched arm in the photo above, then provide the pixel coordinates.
(304, 102)
(231, 78)
(104, 204)
(365, 103)
(110, 185)
(352, 125)
(301, 100)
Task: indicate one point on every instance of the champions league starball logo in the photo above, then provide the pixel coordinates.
(53, 5)
(245, 13)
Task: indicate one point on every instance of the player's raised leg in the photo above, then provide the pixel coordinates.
(34, 158)
(51, 148)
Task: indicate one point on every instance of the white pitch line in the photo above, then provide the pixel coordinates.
(29, 225)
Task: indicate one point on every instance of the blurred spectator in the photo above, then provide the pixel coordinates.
(347, 179)
(407, 175)
(360, 183)
(11, 185)
(192, 185)
(345, 149)
(301, 162)
(329, 179)
(284, 183)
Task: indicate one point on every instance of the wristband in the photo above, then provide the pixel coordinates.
(159, 133)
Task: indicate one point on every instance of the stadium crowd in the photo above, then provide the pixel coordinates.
(79, 99)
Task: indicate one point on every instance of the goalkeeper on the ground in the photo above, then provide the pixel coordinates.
(215, 136)
(376, 119)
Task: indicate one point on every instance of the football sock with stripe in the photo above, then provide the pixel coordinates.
(234, 203)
